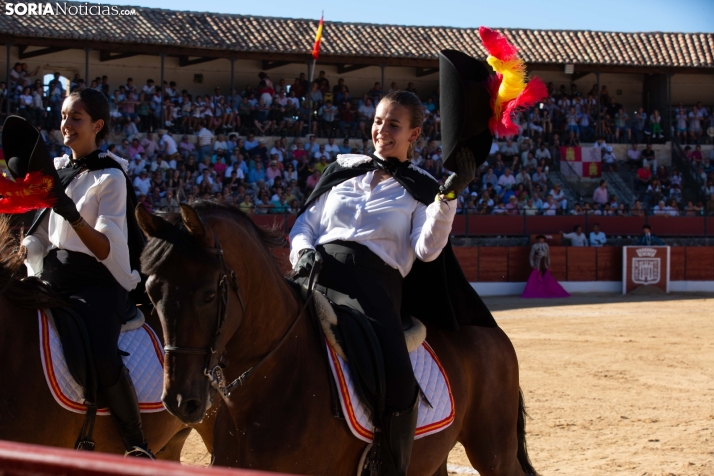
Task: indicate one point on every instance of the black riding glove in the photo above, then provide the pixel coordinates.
(462, 176)
(306, 262)
(66, 208)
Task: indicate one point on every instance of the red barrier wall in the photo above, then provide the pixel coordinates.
(609, 263)
(699, 263)
(494, 225)
(493, 264)
(677, 226)
(676, 263)
(19, 459)
(556, 224)
(569, 263)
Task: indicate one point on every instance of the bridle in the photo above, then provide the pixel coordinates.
(215, 364)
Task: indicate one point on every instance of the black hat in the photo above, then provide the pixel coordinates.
(465, 105)
(25, 149)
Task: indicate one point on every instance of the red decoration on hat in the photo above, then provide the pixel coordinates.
(32, 193)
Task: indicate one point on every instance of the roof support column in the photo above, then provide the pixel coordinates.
(667, 119)
(599, 104)
(233, 65)
(383, 86)
(87, 82)
(8, 46)
(161, 119)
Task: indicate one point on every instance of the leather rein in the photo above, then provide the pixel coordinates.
(215, 364)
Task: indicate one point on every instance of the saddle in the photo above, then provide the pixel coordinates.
(351, 336)
(80, 361)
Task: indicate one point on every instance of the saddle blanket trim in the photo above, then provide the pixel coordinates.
(49, 367)
(361, 426)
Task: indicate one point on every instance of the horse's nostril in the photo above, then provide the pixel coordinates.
(191, 407)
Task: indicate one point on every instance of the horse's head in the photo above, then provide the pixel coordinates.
(191, 288)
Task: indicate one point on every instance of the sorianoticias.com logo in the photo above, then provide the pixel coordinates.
(64, 8)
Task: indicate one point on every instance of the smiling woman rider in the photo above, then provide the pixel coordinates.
(371, 218)
(82, 247)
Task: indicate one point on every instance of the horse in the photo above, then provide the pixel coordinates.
(28, 412)
(222, 299)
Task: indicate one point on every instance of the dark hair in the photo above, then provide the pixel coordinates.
(647, 227)
(413, 105)
(97, 106)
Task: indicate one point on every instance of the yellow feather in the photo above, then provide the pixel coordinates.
(513, 83)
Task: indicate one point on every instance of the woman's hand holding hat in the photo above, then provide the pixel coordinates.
(463, 176)
(65, 207)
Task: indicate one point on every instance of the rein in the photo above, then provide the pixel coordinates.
(215, 363)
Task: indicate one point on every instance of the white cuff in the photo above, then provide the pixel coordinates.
(297, 246)
(442, 210)
(35, 255)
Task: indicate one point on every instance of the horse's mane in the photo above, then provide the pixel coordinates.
(29, 292)
(176, 239)
(10, 258)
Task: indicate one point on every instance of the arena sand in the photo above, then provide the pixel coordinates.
(613, 385)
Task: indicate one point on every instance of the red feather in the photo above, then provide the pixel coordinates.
(496, 44)
(534, 91)
(32, 193)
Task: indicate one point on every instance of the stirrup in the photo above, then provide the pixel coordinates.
(139, 452)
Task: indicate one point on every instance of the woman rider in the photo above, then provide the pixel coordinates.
(370, 230)
(81, 248)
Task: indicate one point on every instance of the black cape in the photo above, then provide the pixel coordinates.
(437, 293)
(136, 239)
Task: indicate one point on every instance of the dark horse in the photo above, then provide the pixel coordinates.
(28, 412)
(280, 418)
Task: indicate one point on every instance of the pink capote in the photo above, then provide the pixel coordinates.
(543, 286)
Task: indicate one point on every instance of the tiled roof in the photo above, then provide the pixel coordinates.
(249, 34)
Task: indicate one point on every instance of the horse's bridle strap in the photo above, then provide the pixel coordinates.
(185, 350)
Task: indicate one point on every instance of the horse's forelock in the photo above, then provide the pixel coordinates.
(172, 240)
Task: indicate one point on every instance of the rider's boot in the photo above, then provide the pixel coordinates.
(392, 446)
(124, 407)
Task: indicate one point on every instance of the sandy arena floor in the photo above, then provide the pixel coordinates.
(614, 385)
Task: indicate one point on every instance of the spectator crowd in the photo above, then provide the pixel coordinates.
(183, 146)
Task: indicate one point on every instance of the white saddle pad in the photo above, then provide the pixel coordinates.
(145, 364)
(436, 411)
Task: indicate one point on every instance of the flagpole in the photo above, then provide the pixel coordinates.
(309, 97)
(315, 54)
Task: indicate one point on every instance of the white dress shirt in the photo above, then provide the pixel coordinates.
(100, 197)
(387, 220)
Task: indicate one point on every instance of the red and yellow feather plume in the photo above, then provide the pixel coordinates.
(31, 193)
(510, 89)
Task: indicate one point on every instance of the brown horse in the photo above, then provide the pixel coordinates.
(28, 412)
(280, 418)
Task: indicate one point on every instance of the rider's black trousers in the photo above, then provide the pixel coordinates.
(353, 275)
(98, 299)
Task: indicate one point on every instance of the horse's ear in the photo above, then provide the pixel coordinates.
(149, 224)
(193, 222)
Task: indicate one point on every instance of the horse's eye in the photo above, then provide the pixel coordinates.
(209, 296)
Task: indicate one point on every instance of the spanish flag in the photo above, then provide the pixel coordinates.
(318, 39)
